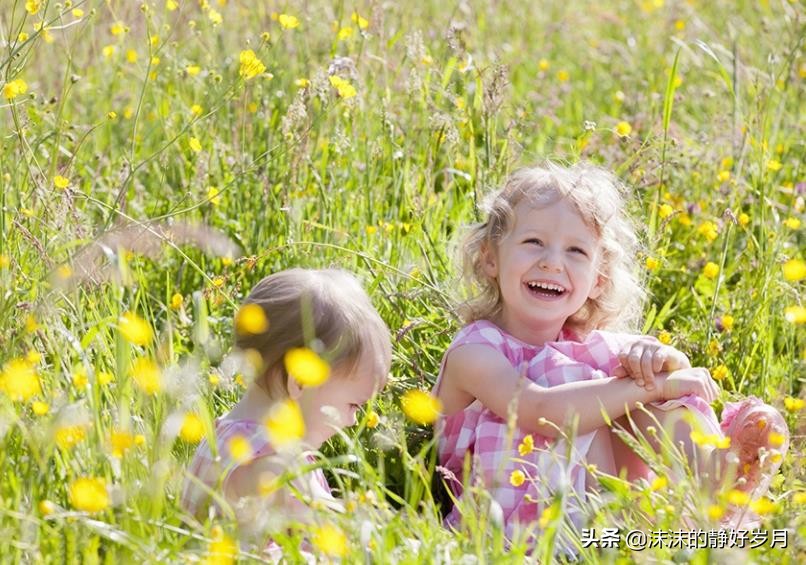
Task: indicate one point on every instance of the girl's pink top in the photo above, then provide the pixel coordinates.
(214, 471)
(477, 432)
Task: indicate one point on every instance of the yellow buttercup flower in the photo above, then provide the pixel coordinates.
(665, 211)
(795, 314)
(526, 446)
(727, 322)
(659, 483)
(192, 430)
(40, 408)
(793, 404)
(345, 33)
(709, 230)
(549, 514)
(67, 436)
(517, 478)
(304, 365)
(146, 375)
(792, 223)
(623, 129)
(176, 301)
(330, 540)
(134, 329)
(193, 70)
(61, 182)
(214, 17)
(652, 264)
(285, 425)
(743, 219)
(711, 270)
(719, 373)
(563, 76)
(250, 66)
(794, 270)
(89, 494)
(33, 6)
(118, 28)
(19, 381)
(373, 419)
(738, 497)
(240, 449)
(776, 439)
(362, 23)
(14, 88)
(421, 406)
(222, 549)
(194, 144)
(763, 506)
(196, 110)
(343, 87)
(120, 441)
(715, 512)
(287, 21)
(665, 337)
(774, 165)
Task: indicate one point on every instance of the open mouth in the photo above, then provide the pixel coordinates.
(546, 289)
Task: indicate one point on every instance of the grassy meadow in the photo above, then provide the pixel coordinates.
(158, 158)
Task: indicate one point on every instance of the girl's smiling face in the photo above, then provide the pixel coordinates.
(546, 269)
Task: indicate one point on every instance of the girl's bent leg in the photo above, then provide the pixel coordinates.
(601, 455)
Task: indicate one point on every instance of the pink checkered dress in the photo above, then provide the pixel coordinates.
(213, 470)
(477, 431)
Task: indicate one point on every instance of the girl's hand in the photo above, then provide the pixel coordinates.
(644, 358)
(695, 381)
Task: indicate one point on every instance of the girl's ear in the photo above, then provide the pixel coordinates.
(489, 263)
(598, 286)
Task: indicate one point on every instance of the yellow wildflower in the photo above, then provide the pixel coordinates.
(743, 219)
(67, 436)
(176, 301)
(192, 430)
(171, 5)
(544, 65)
(214, 17)
(563, 76)
(79, 378)
(22, 37)
(301, 363)
(526, 446)
(763, 506)
(19, 381)
(194, 144)
(118, 28)
(665, 211)
(285, 424)
(14, 88)
(120, 441)
(776, 439)
(799, 497)
(665, 337)
(240, 449)
(77, 13)
(623, 129)
(421, 406)
(147, 375)
(287, 21)
(46, 507)
(250, 65)
(792, 223)
(727, 322)
(723, 176)
(793, 404)
(794, 270)
(709, 230)
(362, 23)
(659, 483)
(715, 512)
(720, 372)
(372, 419)
(711, 270)
(222, 549)
(196, 110)
(795, 314)
(343, 86)
(652, 264)
(40, 408)
(104, 377)
(517, 478)
(193, 70)
(134, 329)
(302, 82)
(330, 540)
(88, 494)
(774, 165)
(345, 33)
(738, 497)
(33, 6)
(61, 182)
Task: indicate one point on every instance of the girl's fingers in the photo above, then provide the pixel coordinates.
(619, 371)
(658, 360)
(646, 368)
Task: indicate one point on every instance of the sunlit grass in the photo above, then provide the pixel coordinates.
(157, 159)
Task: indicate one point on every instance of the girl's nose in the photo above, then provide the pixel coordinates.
(549, 261)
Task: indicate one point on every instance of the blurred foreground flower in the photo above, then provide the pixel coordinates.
(251, 320)
(222, 549)
(306, 367)
(134, 329)
(794, 270)
(330, 540)
(421, 406)
(147, 375)
(192, 430)
(795, 314)
(793, 404)
(89, 494)
(285, 425)
(19, 381)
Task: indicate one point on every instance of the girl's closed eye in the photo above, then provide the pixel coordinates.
(579, 250)
(534, 240)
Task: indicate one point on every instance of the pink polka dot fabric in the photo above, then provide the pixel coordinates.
(477, 432)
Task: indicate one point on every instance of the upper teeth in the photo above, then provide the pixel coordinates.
(547, 286)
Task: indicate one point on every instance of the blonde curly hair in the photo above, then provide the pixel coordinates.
(600, 200)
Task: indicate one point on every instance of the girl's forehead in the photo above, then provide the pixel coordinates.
(561, 213)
